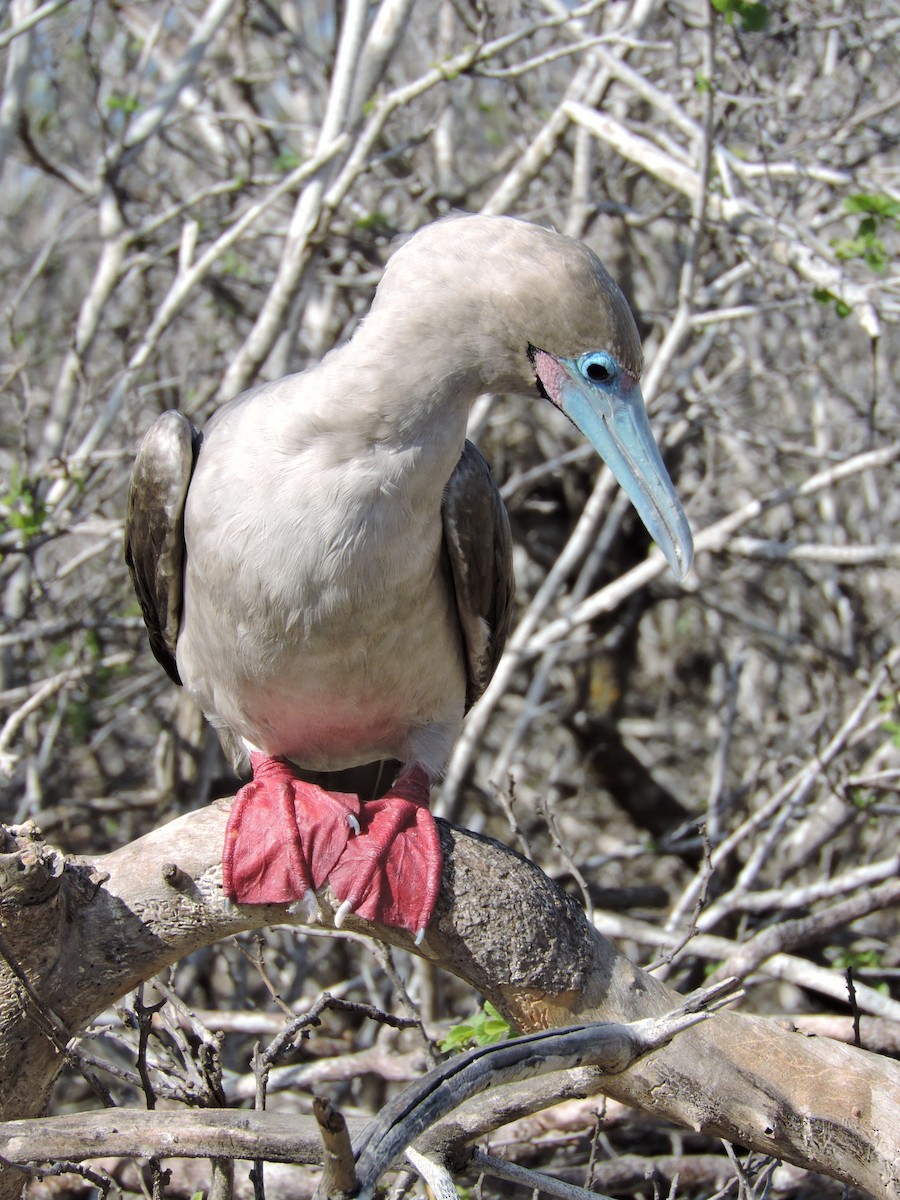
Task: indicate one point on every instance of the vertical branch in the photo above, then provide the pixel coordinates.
(148, 123)
(384, 36)
(16, 77)
(296, 252)
(115, 242)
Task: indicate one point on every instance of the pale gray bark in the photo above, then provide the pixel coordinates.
(76, 936)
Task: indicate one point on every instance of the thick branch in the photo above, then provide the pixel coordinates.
(83, 938)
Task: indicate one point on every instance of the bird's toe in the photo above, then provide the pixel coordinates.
(391, 872)
(283, 837)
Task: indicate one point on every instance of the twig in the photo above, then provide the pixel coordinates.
(789, 935)
(28, 22)
(536, 1181)
(714, 538)
(339, 1169)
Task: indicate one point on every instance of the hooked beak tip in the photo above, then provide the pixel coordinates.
(682, 561)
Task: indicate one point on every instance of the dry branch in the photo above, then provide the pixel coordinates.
(74, 940)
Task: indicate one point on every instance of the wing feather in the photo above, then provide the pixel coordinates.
(478, 544)
(154, 529)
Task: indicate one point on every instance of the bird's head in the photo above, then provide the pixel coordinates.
(603, 399)
(529, 308)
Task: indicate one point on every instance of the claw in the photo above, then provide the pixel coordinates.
(310, 903)
(343, 911)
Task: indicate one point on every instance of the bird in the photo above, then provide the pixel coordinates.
(327, 566)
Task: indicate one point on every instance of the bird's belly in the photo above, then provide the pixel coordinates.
(318, 622)
(327, 733)
(370, 680)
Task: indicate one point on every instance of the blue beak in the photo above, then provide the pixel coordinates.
(613, 418)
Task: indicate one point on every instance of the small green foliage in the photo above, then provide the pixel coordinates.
(845, 958)
(877, 212)
(112, 827)
(289, 161)
(59, 652)
(79, 719)
(865, 960)
(125, 104)
(703, 83)
(861, 799)
(889, 705)
(865, 245)
(825, 297)
(20, 508)
(375, 222)
(230, 263)
(486, 1028)
(753, 14)
(873, 202)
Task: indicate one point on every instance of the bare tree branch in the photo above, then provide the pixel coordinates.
(502, 926)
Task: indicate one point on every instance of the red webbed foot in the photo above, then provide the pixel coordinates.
(283, 836)
(391, 871)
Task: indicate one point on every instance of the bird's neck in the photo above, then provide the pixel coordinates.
(409, 385)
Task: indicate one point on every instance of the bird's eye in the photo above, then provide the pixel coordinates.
(598, 367)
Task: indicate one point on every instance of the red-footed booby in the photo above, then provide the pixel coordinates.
(327, 567)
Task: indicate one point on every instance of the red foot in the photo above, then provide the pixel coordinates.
(390, 872)
(283, 836)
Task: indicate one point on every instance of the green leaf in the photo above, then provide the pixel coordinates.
(862, 800)
(892, 727)
(876, 255)
(866, 246)
(754, 17)
(753, 14)
(286, 162)
(486, 1028)
(20, 508)
(230, 263)
(878, 211)
(872, 202)
(867, 228)
(865, 960)
(374, 222)
(125, 104)
(823, 296)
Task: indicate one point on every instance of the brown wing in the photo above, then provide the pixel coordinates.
(154, 529)
(479, 550)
